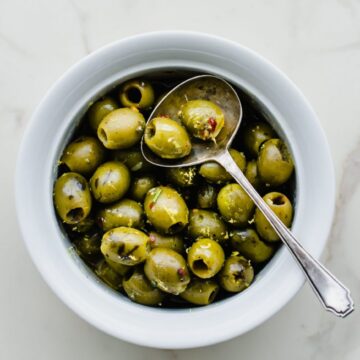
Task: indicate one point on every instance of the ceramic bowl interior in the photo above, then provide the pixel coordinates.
(52, 126)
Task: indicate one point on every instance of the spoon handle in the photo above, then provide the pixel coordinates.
(333, 295)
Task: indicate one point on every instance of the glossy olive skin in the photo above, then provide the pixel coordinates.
(282, 207)
(167, 139)
(173, 242)
(205, 258)
(137, 93)
(215, 173)
(202, 118)
(248, 243)
(206, 197)
(235, 205)
(99, 110)
(167, 270)
(207, 224)
(133, 159)
(117, 267)
(201, 292)
(274, 163)
(88, 245)
(108, 275)
(140, 186)
(72, 198)
(183, 177)
(110, 182)
(126, 246)
(237, 274)
(254, 134)
(139, 289)
(121, 129)
(125, 212)
(252, 174)
(83, 226)
(83, 155)
(166, 210)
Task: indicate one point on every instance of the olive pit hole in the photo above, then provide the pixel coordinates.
(278, 200)
(200, 265)
(121, 248)
(134, 95)
(75, 214)
(238, 276)
(102, 134)
(150, 131)
(212, 296)
(174, 228)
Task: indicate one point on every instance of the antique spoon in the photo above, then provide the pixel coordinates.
(333, 295)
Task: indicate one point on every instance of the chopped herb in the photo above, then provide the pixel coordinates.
(156, 197)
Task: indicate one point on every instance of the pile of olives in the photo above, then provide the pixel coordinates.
(177, 236)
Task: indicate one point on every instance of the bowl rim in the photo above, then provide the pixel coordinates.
(26, 143)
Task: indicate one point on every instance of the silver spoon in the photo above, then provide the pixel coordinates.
(333, 295)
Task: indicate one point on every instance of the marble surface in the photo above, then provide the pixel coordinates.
(317, 43)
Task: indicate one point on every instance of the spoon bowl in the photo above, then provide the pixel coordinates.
(204, 87)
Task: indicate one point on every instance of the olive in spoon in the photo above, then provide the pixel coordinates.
(333, 295)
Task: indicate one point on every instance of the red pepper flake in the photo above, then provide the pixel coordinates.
(152, 238)
(181, 272)
(212, 122)
(155, 198)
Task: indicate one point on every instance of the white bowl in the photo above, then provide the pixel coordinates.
(52, 125)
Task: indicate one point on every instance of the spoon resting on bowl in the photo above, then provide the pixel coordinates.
(333, 295)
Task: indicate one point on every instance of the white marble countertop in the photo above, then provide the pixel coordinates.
(317, 43)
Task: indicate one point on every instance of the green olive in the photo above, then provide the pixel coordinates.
(83, 155)
(133, 159)
(201, 292)
(206, 224)
(167, 139)
(235, 205)
(253, 176)
(206, 196)
(183, 177)
(248, 243)
(282, 207)
(167, 270)
(215, 173)
(139, 289)
(137, 93)
(108, 275)
(110, 182)
(121, 129)
(117, 267)
(205, 258)
(237, 274)
(125, 245)
(88, 245)
(72, 198)
(99, 110)
(140, 186)
(166, 209)
(83, 226)
(275, 164)
(202, 118)
(126, 212)
(174, 242)
(254, 134)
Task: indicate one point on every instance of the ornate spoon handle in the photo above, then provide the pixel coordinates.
(334, 296)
